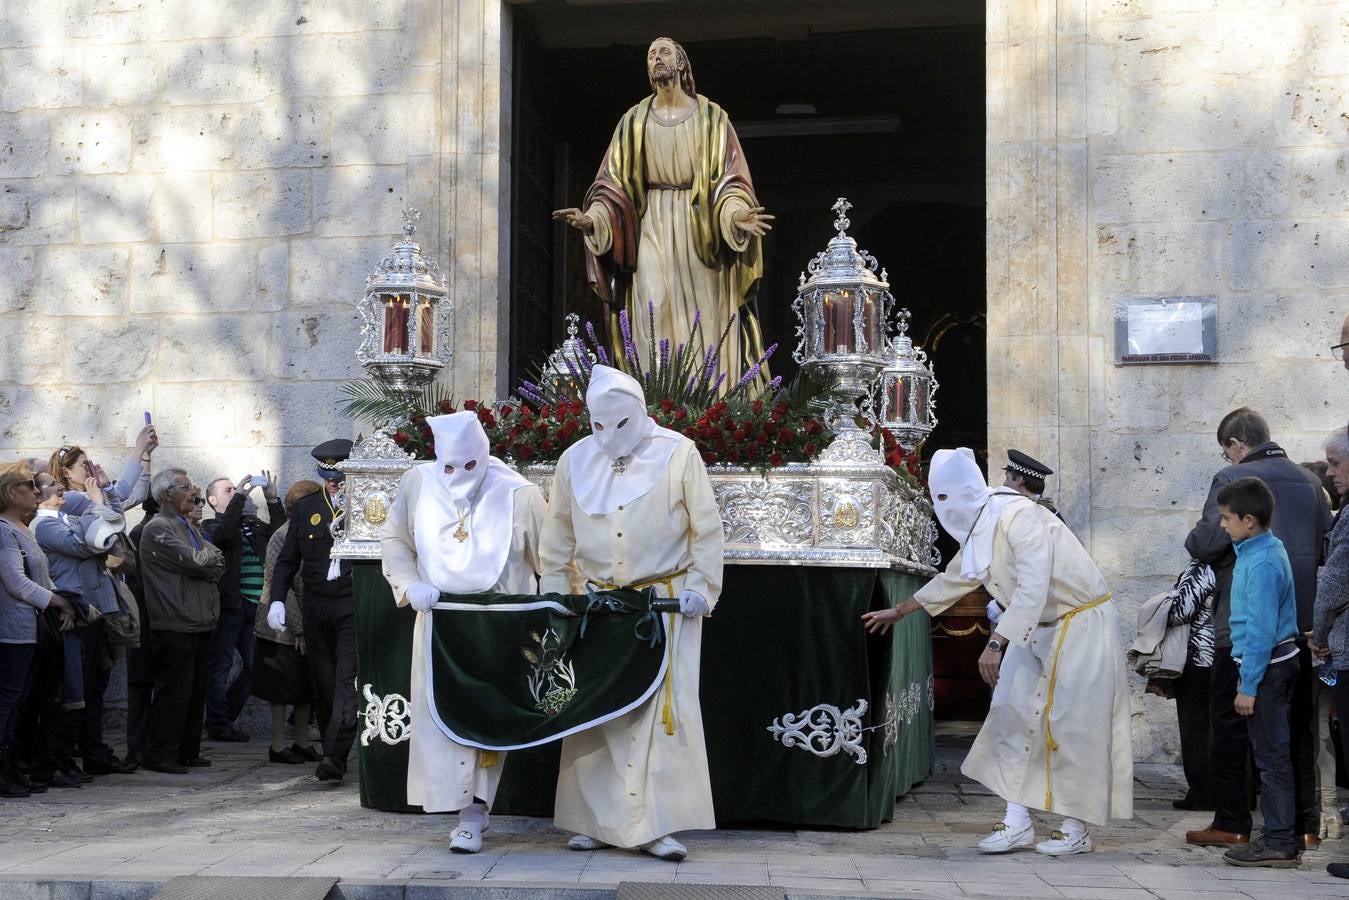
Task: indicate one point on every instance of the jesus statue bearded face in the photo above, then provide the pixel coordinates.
(666, 63)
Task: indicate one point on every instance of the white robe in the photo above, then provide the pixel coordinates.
(444, 776)
(1041, 567)
(627, 782)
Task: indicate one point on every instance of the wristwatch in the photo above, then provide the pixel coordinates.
(995, 645)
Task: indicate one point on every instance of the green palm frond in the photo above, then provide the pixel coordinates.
(370, 400)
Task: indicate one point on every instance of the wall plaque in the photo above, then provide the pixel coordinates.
(1166, 330)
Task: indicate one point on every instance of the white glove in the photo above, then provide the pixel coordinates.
(692, 604)
(422, 596)
(276, 616)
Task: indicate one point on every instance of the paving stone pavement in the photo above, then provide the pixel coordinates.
(246, 817)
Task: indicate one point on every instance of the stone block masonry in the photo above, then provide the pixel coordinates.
(192, 195)
(1153, 148)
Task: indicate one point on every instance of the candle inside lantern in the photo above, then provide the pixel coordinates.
(899, 400)
(838, 323)
(396, 324)
(425, 333)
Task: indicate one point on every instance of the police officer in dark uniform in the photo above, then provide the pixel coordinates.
(1026, 475)
(329, 609)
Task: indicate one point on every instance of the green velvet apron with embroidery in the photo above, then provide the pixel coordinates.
(507, 671)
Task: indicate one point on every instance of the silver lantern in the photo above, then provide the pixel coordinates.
(904, 394)
(407, 317)
(841, 311)
(562, 374)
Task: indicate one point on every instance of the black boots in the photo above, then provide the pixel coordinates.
(9, 788)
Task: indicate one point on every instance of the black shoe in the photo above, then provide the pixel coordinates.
(328, 770)
(168, 768)
(24, 779)
(109, 766)
(17, 774)
(1339, 870)
(12, 790)
(77, 773)
(308, 754)
(286, 756)
(196, 762)
(1257, 854)
(134, 758)
(229, 735)
(59, 779)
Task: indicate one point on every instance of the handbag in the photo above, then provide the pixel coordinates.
(124, 626)
(121, 557)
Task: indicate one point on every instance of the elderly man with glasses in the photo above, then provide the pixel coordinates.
(179, 571)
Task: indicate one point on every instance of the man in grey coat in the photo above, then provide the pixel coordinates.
(179, 570)
(1301, 519)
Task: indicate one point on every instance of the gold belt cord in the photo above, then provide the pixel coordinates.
(1051, 745)
(667, 711)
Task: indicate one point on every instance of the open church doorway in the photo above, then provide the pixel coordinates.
(881, 101)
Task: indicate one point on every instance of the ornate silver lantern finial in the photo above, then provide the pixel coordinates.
(411, 216)
(842, 223)
(407, 318)
(841, 312)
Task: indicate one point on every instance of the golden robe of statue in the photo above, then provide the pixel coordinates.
(671, 220)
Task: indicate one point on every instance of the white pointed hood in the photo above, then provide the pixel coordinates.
(626, 452)
(966, 507)
(465, 511)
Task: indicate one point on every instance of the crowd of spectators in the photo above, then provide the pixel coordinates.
(176, 597)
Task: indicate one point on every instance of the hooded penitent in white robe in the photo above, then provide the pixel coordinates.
(500, 514)
(631, 781)
(1057, 736)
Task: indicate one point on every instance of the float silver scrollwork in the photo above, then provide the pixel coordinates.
(824, 730)
(387, 719)
(891, 724)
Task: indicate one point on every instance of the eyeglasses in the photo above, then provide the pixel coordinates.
(30, 483)
(1337, 351)
(197, 501)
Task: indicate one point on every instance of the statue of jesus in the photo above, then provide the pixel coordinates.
(672, 220)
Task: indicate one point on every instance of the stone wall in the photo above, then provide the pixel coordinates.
(192, 194)
(1142, 147)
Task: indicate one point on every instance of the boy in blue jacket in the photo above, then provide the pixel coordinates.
(1264, 628)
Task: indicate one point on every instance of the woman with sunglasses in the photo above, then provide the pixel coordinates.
(25, 591)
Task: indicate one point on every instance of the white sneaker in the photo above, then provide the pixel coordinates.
(1060, 844)
(467, 838)
(1004, 840)
(585, 842)
(666, 848)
